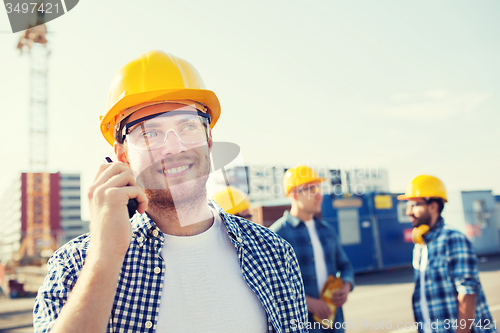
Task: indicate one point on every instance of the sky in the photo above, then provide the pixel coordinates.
(408, 86)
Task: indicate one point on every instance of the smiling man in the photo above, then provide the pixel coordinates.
(448, 296)
(166, 144)
(180, 264)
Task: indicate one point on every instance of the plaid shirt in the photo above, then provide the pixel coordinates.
(451, 269)
(295, 232)
(268, 265)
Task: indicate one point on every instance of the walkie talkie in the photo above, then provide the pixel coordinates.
(132, 203)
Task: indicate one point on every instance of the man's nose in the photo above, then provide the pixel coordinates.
(173, 145)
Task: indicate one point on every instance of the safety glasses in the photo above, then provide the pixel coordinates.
(413, 204)
(151, 132)
(311, 190)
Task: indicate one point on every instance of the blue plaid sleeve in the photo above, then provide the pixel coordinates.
(296, 280)
(462, 264)
(55, 290)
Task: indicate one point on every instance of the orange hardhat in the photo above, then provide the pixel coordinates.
(298, 176)
(232, 200)
(425, 187)
(153, 77)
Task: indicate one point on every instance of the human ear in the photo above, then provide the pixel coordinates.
(120, 153)
(433, 207)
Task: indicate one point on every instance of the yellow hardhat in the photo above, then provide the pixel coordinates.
(298, 176)
(232, 200)
(426, 187)
(155, 76)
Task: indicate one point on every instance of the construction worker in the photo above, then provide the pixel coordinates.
(317, 247)
(180, 264)
(448, 296)
(234, 201)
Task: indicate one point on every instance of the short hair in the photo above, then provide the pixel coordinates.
(439, 201)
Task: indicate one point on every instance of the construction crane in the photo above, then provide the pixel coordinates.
(34, 42)
(38, 240)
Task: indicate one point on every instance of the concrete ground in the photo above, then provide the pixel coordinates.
(379, 298)
(16, 314)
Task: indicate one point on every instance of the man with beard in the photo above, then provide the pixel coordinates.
(317, 247)
(448, 296)
(180, 264)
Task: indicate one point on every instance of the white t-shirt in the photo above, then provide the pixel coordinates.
(204, 289)
(319, 256)
(423, 300)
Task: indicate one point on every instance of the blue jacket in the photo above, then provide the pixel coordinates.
(295, 232)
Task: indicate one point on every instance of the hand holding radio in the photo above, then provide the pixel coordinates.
(109, 196)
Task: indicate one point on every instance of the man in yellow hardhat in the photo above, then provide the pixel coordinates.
(448, 296)
(317, 247)
(180, 264)
(234, 201)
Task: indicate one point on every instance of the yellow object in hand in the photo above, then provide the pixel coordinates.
(331, 285)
